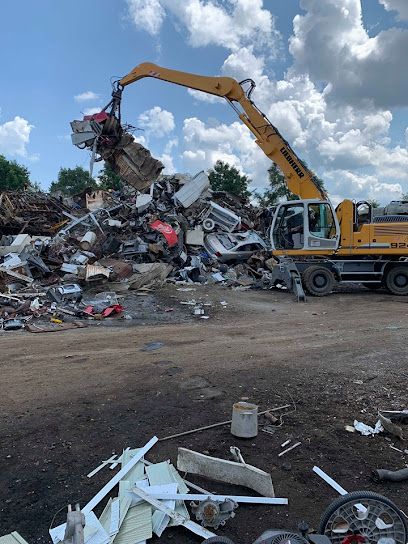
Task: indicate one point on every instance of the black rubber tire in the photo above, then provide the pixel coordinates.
(358, 495)
(396, 280)
(218, 540)
(318, 281)
(373, 286)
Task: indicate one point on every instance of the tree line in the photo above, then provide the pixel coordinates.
(223, 177)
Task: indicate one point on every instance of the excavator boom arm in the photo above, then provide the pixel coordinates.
(299, 179)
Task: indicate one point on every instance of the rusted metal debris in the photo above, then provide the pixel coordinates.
(31, 213)
(104, 135)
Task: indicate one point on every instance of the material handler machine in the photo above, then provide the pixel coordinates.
(315, 245)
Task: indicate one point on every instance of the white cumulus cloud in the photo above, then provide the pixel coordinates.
(15, 136)
(230, 24)
(146, 15)
(331, 44)
(167, 160)
(233, 143)
(87, 95)
(91, 111)
(156, 121)
(204, 97)
(334, 104)
(400, 6)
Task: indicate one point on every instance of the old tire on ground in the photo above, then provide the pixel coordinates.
(373, 286)
(396, 280)
(344, 507)
(318, 281)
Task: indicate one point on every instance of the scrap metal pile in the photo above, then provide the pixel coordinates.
(30, 212)
(179, 231)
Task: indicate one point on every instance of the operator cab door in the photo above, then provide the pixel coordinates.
(305, 225)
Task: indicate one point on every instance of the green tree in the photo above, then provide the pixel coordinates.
(72, 181)
(277, 189)
(13, 176)
(404, 196)
(108, 179)
(224, 177)
(374, 203)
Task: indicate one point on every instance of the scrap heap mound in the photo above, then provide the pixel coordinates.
(178, 230)
(30, 212)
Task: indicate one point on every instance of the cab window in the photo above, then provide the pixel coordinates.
(288, 228)
(321, 221)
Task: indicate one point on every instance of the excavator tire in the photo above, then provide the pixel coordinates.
(318, 281)
(373, 286)
(396, 280)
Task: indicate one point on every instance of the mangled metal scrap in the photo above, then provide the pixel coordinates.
(31, 212)
(103, 134)
(132, 162)
(214, 513)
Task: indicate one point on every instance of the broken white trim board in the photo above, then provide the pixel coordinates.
(137, 472)
(121, 474)
(100, 467)
(160, 474)
(179, 519)
(337, 487)
(216, 498)
(160, 519)
(225, 471)
(114, 517)
(119, 460)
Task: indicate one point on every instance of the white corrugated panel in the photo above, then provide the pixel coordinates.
(192, 190)
(12, 538)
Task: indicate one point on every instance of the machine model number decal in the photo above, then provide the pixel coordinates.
(398, 245)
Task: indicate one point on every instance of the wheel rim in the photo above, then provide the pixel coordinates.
(372, 519)
(320, 281)
(401, 280)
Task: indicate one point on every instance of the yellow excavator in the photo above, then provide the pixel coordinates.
(315, 245)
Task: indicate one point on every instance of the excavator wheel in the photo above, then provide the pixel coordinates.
(318, 281)
(396, 280)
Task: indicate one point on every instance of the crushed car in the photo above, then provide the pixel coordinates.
(229, 247)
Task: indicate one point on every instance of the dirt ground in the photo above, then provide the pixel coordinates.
(70, 399)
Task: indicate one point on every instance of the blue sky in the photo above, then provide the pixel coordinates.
(339, 99)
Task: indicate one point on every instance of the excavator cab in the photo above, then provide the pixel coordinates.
(305, 225)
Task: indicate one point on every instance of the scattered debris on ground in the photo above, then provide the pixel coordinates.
(64, 261)
(153, 496)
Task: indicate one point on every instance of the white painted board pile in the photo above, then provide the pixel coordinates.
(150, 498)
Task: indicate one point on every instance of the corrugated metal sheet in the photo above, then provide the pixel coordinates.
(191, 191)
(137, 525)
(93, 271)
(160, 474)
(137, 472)
(12, 538)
